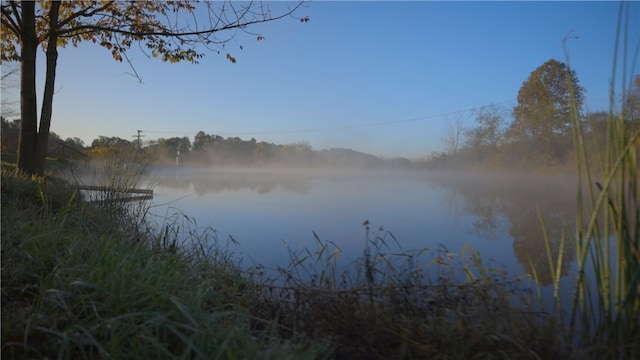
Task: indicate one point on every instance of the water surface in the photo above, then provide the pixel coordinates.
(268, 210)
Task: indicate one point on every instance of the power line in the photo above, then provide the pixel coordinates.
(338, 128)
(326, 129)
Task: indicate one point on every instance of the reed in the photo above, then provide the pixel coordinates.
(394, 303)
(605, 312)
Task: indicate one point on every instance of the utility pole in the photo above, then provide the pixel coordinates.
(139, 136)
(178, 157)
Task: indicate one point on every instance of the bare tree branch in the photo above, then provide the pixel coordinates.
(167, 33)
(9, 21)
(83, 13)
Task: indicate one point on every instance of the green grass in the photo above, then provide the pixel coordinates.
(74, 285)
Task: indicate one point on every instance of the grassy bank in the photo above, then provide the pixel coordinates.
(89, 280)
(76, 283)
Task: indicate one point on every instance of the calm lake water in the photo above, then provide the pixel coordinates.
(268, 211)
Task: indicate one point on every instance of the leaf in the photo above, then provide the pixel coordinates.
(116, 55)
(231, 58)
(260, 37)
(304, 19)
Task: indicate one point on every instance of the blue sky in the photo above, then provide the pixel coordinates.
(378, 77)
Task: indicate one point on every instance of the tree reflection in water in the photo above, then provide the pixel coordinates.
(501, 206)
(517, 205)
(262, 181)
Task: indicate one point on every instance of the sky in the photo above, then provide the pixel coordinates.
(383, 78)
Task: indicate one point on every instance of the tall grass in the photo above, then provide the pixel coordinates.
(79, 281)
(606, 303)
(119, 174)
(393, 303)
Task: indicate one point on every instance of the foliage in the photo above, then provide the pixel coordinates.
(488, 134)
(116, 26)
(10, 133)
(172, 31)
(632, 103)
(106, 148)
(169, 151)
(215, 150)
(545, 102)
(535, 136)
(542, 119)
(114, 141)
(490, 130)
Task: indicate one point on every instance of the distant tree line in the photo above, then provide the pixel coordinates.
(206, 150)
(57, 147)
(210, 150)
(537, 132)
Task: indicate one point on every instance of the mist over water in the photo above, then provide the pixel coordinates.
(268, 210)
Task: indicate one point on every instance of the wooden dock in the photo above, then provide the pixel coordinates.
(144, 194)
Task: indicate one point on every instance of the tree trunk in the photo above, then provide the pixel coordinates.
(42, 143)
(28, 104)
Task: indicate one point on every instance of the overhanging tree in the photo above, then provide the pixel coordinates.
(173, 31)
